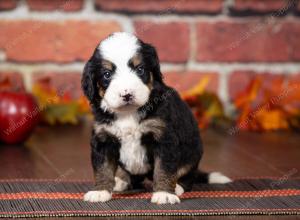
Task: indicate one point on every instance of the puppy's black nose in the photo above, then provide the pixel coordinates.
(127, 97)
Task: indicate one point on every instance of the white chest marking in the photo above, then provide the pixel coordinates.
(132, 154)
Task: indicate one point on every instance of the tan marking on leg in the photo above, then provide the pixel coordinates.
(122, 180)
(122, 174)
(183, 171)
(105, 176)
(102, 131)
(155, 126)
(163, 181)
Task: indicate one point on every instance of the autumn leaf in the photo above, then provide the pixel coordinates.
(198, 89)
(206, 106)
(59, 108)
(61, 114)
(249, 95)
(278, 108)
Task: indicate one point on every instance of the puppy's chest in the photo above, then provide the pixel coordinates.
(133, 155)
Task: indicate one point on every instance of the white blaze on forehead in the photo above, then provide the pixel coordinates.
(119, 48)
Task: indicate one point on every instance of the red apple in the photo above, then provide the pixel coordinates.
(19, 114)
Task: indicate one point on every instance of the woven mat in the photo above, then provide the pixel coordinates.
(37, 198)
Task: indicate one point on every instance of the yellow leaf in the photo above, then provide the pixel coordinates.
(61, 113)
(198, 89)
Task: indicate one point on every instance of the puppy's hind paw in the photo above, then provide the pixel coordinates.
(97, 196)
(217, 177)
(120, 185)
(164, 198)
(179, 190)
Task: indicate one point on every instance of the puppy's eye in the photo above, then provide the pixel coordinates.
(140, 70)
(107, 75)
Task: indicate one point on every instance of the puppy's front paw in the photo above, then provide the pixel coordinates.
(164, 198)
(97, 196)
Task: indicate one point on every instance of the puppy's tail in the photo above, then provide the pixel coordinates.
(213, 177)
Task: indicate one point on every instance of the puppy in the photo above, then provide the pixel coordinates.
(142, 127)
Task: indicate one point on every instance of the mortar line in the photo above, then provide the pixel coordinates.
(275, 68)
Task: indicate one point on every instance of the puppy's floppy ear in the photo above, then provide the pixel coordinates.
(150, 54)
(87, 81)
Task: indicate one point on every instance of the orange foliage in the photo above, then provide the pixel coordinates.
(206, 106)
(59, 106)
(277, 109)
(259, 107)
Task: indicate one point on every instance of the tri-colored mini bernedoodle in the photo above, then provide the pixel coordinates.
(142, 128)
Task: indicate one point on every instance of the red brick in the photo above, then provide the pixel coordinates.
(293, 38)
(240, 80)
(166, 6)
(183, 81)
(14, 78)
(41, 5)
(41, 41)
(248, 41)
(170, 39)
(65, 83)
(261, 6)
(8, 4)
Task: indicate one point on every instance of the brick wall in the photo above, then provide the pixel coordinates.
(230, 40)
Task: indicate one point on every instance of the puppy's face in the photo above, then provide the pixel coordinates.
(122, 71)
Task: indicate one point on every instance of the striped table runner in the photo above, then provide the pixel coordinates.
(37, 198)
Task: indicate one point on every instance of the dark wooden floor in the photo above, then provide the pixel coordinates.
(63, 153)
